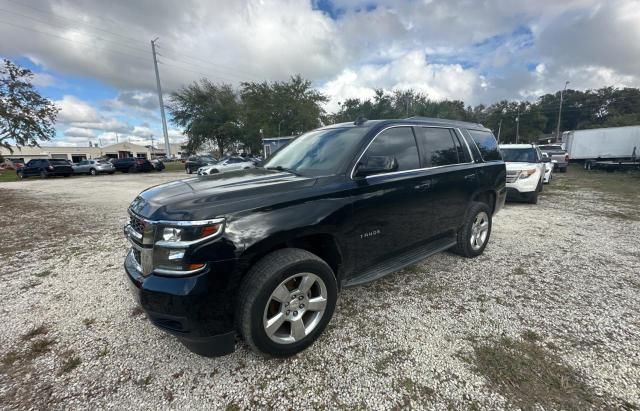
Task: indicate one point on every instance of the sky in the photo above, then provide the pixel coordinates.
(93, 58)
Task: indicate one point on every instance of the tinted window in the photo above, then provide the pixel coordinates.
(320, 152)
(396, 142)
(440, 148)
(551, 148)
(487, 144)
(32, 163)
(519, 155)
(55, 162)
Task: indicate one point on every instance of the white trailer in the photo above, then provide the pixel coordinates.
(614, 143)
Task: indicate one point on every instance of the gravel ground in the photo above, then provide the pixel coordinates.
(555, 295)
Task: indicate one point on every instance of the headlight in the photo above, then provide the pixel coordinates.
(526, 173)
(172, 234)
(184, 234)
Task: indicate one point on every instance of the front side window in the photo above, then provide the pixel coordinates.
(487, 144)
(440, 148)
(397, 142)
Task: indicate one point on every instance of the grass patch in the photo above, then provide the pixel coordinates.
(531, 377)
(42, 329)
(88, 322)
(531, 336)
(70, 363)
(8, 175)
(416, 390)
(40, 346)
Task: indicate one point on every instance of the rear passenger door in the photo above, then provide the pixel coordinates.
(452, 175)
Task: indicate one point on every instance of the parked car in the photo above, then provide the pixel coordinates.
(47, 167)
(12, 164)
(525, 171)
(131, 164)
(548, 169)
(157, 164)
(264, 252)
(94, 167)
(558, 156)
(193, 163)
(227, 164)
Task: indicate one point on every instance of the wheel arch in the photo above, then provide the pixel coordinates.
(488, 197)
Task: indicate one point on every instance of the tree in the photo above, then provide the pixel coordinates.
(25, 116)
(279, 108)
(208, 113)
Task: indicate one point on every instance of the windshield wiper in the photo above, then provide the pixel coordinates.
(280, 168)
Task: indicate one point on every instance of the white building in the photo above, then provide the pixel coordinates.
(76, 154)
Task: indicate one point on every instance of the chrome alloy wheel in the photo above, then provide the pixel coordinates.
(295, 308)
(479, 230)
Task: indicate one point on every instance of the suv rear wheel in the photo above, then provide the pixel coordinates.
(286, 301)
(474, 235)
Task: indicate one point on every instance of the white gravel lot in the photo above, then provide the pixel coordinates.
(565, 270)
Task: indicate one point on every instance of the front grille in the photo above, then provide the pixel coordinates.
(137, 224)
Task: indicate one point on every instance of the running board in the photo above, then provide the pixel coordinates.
(401, 261)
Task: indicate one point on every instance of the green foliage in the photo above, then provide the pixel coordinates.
(208, 113)
(25, 116)
(279, 108)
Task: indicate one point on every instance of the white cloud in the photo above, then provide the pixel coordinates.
(74, 110)
(79, 132)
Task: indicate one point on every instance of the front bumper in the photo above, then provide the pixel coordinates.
(185, 308)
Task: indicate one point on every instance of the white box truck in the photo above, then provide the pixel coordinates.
(613, 143)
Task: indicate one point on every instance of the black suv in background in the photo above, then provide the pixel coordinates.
(132, 164)
(193, 163)
(45, 168)
(264, 252)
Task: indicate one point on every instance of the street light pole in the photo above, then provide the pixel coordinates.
(280, 123)
(560, 111)
(499, 129)
(518, 126)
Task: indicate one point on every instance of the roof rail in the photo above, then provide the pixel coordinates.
(360, 120)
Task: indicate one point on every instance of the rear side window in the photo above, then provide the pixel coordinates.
(487, 145)
(439, 146)
(396, 142)
(56, 162)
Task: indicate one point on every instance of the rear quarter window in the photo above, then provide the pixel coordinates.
(487, 145)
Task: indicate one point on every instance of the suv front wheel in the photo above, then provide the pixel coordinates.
(286, 301)
(473, 236)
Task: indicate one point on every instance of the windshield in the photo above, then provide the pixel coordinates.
(519, 155)
(317, 153)
(551, 148)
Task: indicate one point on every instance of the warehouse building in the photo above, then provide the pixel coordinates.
(77, 154)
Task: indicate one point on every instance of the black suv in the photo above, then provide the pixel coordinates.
(132, 164)
(193, 163)
(45, 168)
(264, 252)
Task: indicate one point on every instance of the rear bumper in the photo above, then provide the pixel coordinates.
(185, 308)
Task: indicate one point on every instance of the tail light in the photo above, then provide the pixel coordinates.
(566, 157)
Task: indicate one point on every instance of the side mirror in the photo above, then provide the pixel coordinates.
(376, 165)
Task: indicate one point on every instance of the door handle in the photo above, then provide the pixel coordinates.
(423, 186)
(470, 176)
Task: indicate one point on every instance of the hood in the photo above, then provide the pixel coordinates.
(204, 197)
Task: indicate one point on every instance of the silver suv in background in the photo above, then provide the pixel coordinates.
(558, 156)
(94, 167)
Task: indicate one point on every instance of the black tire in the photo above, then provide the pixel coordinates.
(43, 174)
(21, 175)
(188, 169)
(463, 245)
(533, 198)
(93, 172)
(111, 172)
(255, 293)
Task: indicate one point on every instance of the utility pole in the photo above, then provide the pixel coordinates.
(279, 127)
(152, 149)
(560, 111)
(117, 138)
(518, 126)
(499, 129)
(164, 120)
